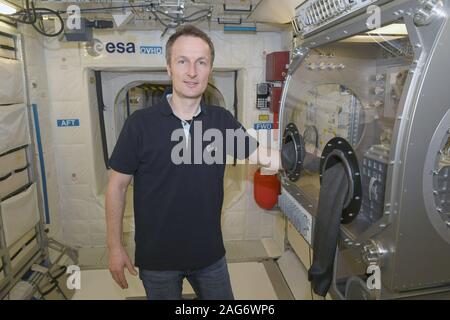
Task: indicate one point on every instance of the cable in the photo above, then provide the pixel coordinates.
(114, 8)
(160, 21)
(166, 14)
(208, 14)
(31, 19)
(208, 11)
(179, 20)
(33, 16)
(43, 32)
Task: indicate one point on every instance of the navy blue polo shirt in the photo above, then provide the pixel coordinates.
(177, 206)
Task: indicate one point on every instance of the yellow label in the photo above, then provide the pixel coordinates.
(264, 117)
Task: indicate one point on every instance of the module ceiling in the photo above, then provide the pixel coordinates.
(157, 14)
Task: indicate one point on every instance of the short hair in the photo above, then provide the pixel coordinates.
(191, 31)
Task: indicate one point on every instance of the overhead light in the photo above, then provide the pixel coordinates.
(390, 32)
(392, 29)
(371, 38)
(7, 8)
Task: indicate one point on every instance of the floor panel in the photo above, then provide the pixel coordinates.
(249, 281)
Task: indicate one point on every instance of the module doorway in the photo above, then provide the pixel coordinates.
(125, 92)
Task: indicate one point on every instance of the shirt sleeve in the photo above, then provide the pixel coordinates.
(239, 143)
(124, 158)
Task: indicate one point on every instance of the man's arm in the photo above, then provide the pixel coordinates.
(115, 206)
(268, 159)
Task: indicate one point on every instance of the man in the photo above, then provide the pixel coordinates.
(177, 205)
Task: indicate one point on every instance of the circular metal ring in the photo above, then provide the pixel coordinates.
(338, 149)
(293, 170)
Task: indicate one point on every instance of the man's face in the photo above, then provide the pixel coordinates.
(190, 66)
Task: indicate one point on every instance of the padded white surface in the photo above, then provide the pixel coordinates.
(4, 53)
(11, 90)
(20, 214)
(13, 183)
(14, 127)
(12, 161)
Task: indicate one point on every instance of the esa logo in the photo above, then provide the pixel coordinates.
(120, 47)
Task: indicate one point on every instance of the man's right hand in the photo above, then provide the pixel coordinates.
(118, 261)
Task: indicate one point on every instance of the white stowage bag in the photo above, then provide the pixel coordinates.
(20, 214)
(13, 183)
(13, 127)
(12, 161)
(11, 79)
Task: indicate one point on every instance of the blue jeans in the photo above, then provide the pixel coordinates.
(209, 283)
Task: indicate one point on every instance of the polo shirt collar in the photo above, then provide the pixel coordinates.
(166, 109)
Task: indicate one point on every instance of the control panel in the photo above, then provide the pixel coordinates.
(262, 95)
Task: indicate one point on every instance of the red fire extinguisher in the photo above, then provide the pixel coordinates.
(266, 189)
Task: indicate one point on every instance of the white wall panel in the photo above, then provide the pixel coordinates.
(97, 226)
(73, 165)
(77, 192)
(76, 226)
(98, 239)
(65, 82)
(233, 225)
(63, 110)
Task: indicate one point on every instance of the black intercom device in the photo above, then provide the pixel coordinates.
(262, 95)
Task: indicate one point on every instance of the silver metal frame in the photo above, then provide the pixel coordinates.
(40, 252)
(408, 198)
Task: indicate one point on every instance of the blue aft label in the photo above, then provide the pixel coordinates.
(68, 122)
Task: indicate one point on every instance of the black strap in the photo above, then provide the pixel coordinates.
(101, 107)
(333, 191)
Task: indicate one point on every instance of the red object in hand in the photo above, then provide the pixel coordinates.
(266, 189)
